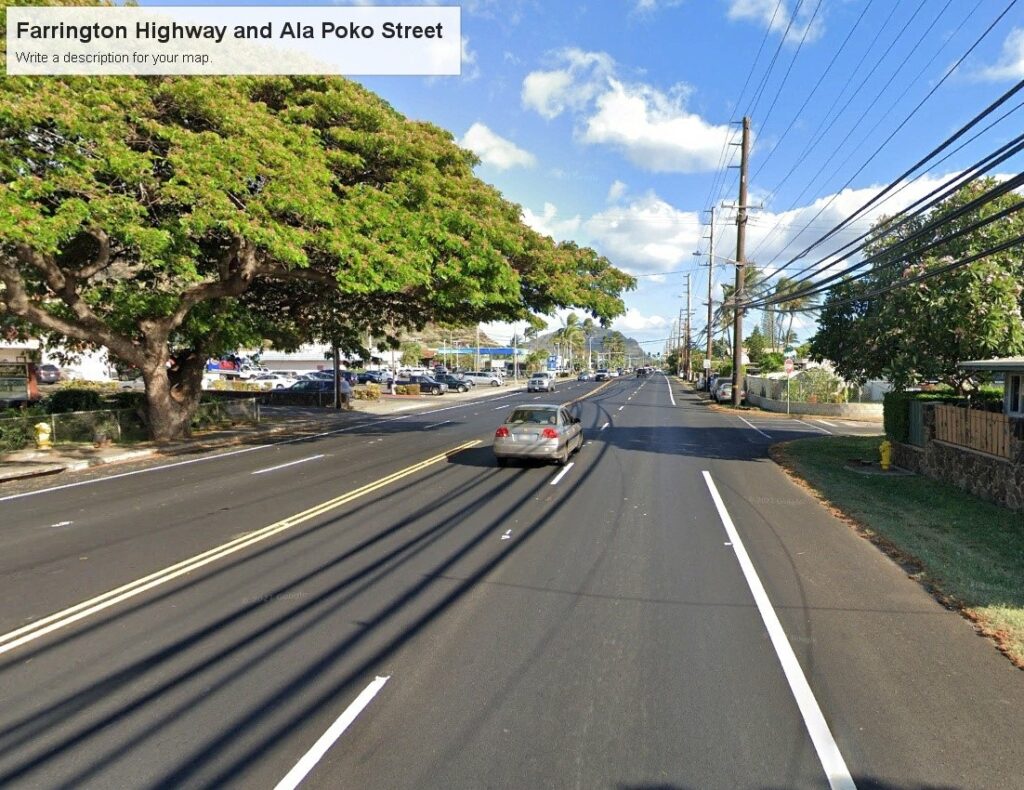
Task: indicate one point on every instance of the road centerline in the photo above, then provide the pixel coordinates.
(831, 759)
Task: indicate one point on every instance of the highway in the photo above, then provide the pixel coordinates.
(381, 606)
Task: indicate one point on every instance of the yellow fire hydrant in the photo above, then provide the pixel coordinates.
(885, 453)
(43, 430)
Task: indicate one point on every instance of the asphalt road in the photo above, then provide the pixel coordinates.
(383, 607)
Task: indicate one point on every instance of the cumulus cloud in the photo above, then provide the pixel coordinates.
(653, 128)
(495, 150)
(616, 191)
(635, 321)
(648, 235)
(470, 68)
(776, 15)
(1010, 65)
(549, 224)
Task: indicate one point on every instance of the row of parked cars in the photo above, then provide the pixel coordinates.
(720, 388)
(433, 383)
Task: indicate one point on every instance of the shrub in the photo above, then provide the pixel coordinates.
(407, 389)
(94, 386)
(74, 399)
(127, 400)
(369, 392)
(15, 433)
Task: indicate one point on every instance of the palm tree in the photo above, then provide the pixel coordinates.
(725, 315)
(571, 334)
(799, 304)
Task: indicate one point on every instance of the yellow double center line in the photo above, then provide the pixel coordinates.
(80, 611)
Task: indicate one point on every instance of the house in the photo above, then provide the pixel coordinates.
(1012, 369)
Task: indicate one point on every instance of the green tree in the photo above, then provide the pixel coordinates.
(614, 348)
(755, 345)
(175, 219)
(412, 354)
(921, 331)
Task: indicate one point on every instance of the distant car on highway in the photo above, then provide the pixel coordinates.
(584, 376)
(603, 374)
(545, 432)
(541, 382)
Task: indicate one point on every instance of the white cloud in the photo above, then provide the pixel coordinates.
(775, 16)
(495, 150)
(648, 235)
(550, 93)
(549, 224)
(652, 128)
(470, 68)
(1011, 64)
(649, 6)
(616, 191)
(635, 321)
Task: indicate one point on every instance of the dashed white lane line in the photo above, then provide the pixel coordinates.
(672, 397)
(563, 473)
(605, 425)
(815, 427)
(755, 428)
(622, 407)
(829, 424)
(309, 760)
(437, 424)
(285, 466)
(824, 744)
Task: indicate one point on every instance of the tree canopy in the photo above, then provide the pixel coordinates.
(171, 219)
(874, 327)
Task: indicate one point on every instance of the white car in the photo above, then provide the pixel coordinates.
(541, 382)
(273, 381)
(483, 377)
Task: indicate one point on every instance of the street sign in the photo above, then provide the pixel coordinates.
(707, 364)
(789, 366)
(789, 352)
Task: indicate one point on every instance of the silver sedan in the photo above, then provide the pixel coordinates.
(546, 432)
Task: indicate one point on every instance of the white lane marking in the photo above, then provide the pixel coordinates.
(826, 422)
(507, 535)
(668, 382)
(755, 428)
(562, 474)
(622, 407)
(436, 424)
(503, 406)
(815, 427)
(254, 448)
(290, 463)
(309, 760)
(605, 425)
(62, 524)
(824, 744)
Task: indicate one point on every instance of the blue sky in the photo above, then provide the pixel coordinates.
(606, 121)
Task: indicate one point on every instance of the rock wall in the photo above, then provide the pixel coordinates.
(994, 479)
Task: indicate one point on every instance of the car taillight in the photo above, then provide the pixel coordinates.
(501, 433)
(549, 433)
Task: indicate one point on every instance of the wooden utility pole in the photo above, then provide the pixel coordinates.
(686, 349)
(741, 239)
(711, 287)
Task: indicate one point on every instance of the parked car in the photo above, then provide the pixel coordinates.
(484, 377)
(546, 432)
(47, 374)
(427, 384)
(312, 385)
(603, 374)
(722, 390)
(371, 377)
(273, 381)
(541, 382)
(455, 384)
(584, 376)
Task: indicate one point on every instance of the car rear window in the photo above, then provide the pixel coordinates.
(534, 416)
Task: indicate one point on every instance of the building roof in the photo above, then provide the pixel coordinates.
(1000, 365)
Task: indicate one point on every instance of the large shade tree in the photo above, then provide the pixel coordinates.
(174, 219)
(879, 327)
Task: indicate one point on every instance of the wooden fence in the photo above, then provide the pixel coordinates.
(986, 432)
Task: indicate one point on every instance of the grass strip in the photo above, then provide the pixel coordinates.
(968, 552)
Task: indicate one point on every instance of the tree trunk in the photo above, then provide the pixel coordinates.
(172, 396)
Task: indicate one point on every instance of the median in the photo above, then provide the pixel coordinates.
(967, 552)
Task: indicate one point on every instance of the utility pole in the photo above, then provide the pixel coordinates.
(741, 239)
(711, 286)
(689, 310)
(477, 347)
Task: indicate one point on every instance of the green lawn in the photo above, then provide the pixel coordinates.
(968, 551)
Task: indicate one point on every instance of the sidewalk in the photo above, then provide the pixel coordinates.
(277, 421)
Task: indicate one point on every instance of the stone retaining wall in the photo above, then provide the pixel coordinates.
(994, 479)
(853, 411)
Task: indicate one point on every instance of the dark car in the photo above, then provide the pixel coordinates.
(312, 385)
(455, 383)
(426, 384)
(47, 374)
(371, 377)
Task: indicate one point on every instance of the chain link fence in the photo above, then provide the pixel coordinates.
(118, 426)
